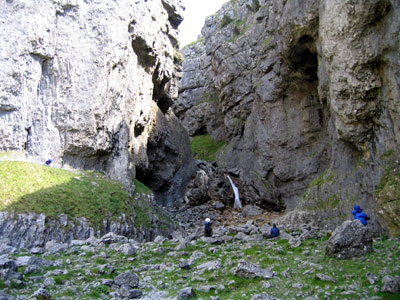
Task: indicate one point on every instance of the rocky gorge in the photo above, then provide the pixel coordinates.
(298, 101)
(305, 96)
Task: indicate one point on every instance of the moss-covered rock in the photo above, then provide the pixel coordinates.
(388, 198)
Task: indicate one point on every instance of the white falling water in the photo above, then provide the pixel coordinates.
(237, 203)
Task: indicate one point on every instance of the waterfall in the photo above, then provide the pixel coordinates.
(236, 192)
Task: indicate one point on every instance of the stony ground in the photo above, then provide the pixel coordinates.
(238, 262)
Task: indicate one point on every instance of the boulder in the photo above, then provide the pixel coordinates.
(351, 239)
(128, 278)
(4, 296)
(391, 284)
(246, 269)
(186, 293)
(111, 237)
(41, 294)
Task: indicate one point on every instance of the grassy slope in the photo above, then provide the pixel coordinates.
(205, 147)
(28, 187)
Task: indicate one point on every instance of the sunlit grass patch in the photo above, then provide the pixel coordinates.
(205, 147)
(28, 187)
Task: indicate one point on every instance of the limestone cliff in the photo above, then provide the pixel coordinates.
(306, 95)
(89, 84)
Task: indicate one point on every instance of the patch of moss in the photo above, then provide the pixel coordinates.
(388, 197)
(267, 40)
(178, 57)
(205, 147)
(226, 20)
(267, 185)
(193, 43)
(207, 98)
(312, 198)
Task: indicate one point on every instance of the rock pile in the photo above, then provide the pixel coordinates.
(236, 260)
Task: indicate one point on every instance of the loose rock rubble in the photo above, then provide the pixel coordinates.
(236, 260)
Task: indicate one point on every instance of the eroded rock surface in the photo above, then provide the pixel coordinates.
(306, 95)
(351, 239)
(89, 84)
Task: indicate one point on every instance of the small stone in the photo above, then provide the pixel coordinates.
(323, 277)
(372, 278)
(184, 265)
(4, 296)
(37, 250)
(41, 294)
(48, 282)
(186, 293)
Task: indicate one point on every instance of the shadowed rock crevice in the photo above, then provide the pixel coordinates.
(145, 53)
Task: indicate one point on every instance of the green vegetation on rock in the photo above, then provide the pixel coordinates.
(28, 187)
(178, 57)
(205, 147)
(208, 98)
(388, 198)
(141, 188)
(194, 43)
(226, 20)
(321, 194)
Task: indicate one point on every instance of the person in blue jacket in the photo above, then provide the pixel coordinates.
(360, 215)
(274, 231)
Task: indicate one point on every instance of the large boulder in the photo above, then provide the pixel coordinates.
(351, 239)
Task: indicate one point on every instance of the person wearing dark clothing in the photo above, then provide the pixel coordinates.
(207, 228)
(48, 162)
(360, 215)
(274, 231)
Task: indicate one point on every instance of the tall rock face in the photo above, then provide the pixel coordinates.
(306, 95)
(89, 84)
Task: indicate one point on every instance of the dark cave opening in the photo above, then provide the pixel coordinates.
(303, 58)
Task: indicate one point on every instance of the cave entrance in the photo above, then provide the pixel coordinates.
(304, 60)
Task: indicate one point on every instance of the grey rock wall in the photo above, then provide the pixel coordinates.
(306, 98)
(35, 230)
(86, 83)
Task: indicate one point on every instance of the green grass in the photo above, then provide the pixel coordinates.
(28, 187)
(205, 147)
(194, 43)
(141, 188)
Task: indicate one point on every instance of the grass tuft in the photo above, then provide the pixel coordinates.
(205, 147)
